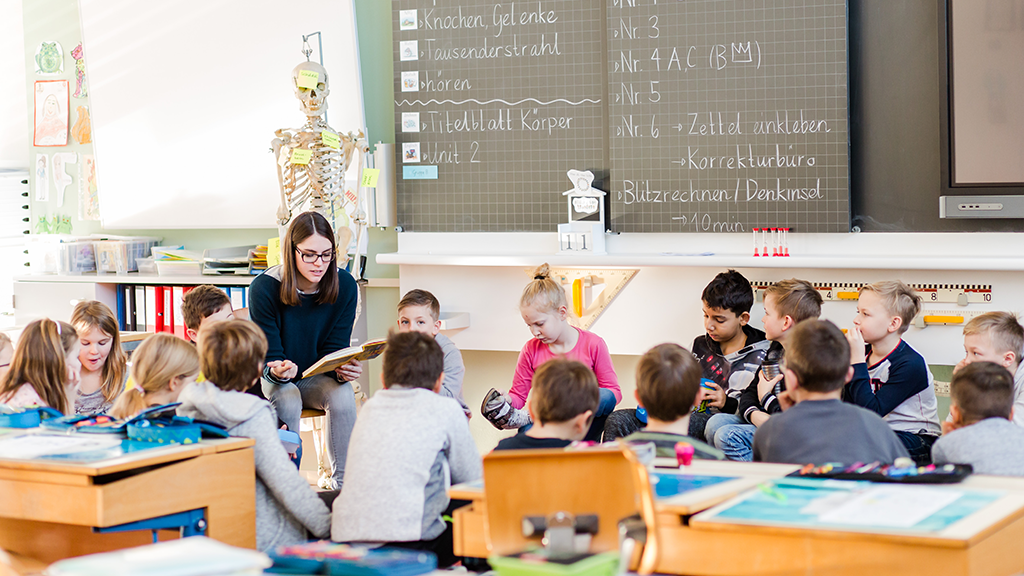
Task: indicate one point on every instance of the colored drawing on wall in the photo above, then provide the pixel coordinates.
(61, 178)
(42, 178)
(43, 226)
(81, 89)
(49, 58)
(51, 113)
(82, 130)
(88, 190)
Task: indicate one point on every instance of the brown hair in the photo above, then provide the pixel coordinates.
(200, 302)
(667, 381)
(412, 359)
(303, 226)
(93, 314)
(39, 361)
(158, 360)
(982, 390)
(419, 297)
(562, 389)
(543, 293)
(1003, 328)
(818, 353)
(795, 298)
(231, 354)
(898, 299)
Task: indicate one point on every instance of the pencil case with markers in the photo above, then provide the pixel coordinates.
(162, 426)
(903, 471)
(93, 424)
(350, 560)
(27, 418)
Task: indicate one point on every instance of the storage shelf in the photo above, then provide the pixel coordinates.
(183, 280)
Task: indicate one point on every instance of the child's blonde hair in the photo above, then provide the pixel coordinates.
(898, 299)
(1004, 329)
(91, 314)
(39, 360)
(795, 298)
(543, 293)
(231, 354)
(158, 360)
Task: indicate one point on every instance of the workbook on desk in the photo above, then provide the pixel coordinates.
(848, 505)
(367, 351)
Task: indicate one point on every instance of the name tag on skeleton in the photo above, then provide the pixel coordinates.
(301, 156)
(330, 139)
(307, 79)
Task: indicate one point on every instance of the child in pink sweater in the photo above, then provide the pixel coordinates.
(546, 312)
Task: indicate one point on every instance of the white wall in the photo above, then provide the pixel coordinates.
(14, 139)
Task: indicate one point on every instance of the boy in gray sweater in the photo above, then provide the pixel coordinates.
(406, 443)
(816, 426)
(231, 354)
(419, 311)
(982, 432)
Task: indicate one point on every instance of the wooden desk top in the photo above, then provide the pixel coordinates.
(9, 467)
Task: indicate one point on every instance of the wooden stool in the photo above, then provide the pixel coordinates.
(317, 427)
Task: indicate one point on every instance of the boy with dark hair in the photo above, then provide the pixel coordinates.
(667, 386)
(890, 378)
(816, 426)
(731, 352)
(405, 438)
(997, 337)
(562, 403)
(982, 433)
(419, 311)
(204, 305)
(786, 303)
(231, 355)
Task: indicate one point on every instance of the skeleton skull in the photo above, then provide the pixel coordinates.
(313, 101)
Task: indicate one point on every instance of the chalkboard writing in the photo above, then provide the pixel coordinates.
(700, 115)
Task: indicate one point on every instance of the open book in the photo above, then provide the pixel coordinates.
(368, 351)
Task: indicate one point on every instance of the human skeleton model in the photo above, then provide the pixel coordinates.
(318, 182)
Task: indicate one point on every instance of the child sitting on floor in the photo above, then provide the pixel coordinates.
(997, 337)
(816, 426)
(890, 378)
(562, 402)
(667, 385)
(231, 355)
(546, 312)
(45, 368)
(407, 442)
(982, 433)
(162, 366)
(419, 311)
(202, 306)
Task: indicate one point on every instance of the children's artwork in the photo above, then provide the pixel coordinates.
(42, 178)
(51, 113)
(49, 58)
(82, 130)
(61, 178)
(411, 81)
(88, 190)
(43, 226)
(409, 50)
(63, 225)
(407, 20)
(410, 152)
(81, 90)
(410, 121)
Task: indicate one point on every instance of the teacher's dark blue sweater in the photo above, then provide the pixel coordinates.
(303, 333)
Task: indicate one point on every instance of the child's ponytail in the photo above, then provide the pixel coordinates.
(129, 403)
(543, 293)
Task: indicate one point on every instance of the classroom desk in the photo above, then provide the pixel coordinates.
(470, 522)
(48, 507)
(987, 542)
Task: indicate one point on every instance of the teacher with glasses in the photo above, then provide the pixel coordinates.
(306, 307)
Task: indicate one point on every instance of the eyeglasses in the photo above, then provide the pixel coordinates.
(312, 258)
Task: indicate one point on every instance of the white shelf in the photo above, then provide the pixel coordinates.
(132, 278)
(714, 261)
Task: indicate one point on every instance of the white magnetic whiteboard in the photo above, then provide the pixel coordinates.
(186, 96)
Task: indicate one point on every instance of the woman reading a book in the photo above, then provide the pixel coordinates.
(306, 307)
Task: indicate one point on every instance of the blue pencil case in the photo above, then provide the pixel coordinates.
(160, 424)
(94, 424)
(349, 560)
(28, 418)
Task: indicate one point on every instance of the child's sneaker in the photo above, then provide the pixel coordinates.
(498, 410)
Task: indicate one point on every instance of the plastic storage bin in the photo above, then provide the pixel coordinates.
(77, 257)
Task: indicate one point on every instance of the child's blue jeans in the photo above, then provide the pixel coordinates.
(732, 435)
